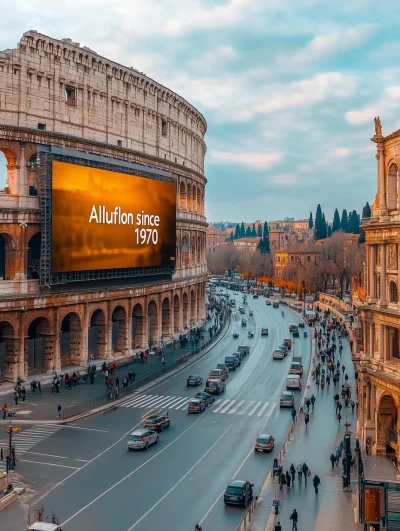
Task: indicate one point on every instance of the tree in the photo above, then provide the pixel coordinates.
(319, 227)
(248, 232)
(237, 232)
(242, 230)
(266, 238)
(324, 226)
(366, 211)
(329, 231)
(310, 221)
(259, 231)
(231, 237)
(354, 223)
(336, 221)
(253, 231)
(344, 220)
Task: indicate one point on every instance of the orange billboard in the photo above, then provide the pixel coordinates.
(107, 220)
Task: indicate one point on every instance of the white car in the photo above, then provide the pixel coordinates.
(142, 439)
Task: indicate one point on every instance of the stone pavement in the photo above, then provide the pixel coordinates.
(332, 509)
(43, 406)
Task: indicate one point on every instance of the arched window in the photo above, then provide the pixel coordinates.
(392, 188)
(393, 291)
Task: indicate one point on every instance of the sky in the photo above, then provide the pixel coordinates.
(289, 89)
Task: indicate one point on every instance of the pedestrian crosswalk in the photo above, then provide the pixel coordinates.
(220, 406)
(25, 440)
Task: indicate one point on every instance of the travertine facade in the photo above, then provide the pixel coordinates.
(379, 363)
(57, 93)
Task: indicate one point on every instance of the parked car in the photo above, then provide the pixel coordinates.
(278, 354)
(231, 362)
(216, 374)
(238, 492)
(141, 439)
(157, 422)
(287, 399)
(196, 405)
(264, 443)
(238, 358)
(194, 380)
(215, 387)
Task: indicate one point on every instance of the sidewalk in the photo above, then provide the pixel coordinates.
(43, 406)
(333, 508)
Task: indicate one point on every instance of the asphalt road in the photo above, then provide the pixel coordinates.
(85, 473)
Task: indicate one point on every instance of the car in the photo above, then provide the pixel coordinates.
(255, 296)
(285, 349)
(251, 312)
(157, 422)
(223, 367)
(264, 331)
(208, 399)
(292, 327)
(296, 333)
(243, 349)
(264, 443)
(268, 302)
(278, 354)
(235, 335)
(275, 304)
(196, 405)
(288, 343)
(141, 439)
(231, 362)
(287, 399)
(301, 324)
(215, 387)
(194, 379)
(238, 358)
(244, 322)
(242, 310)
(216, 374)
(238, 492)
(296, 368)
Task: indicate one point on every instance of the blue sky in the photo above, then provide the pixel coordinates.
(289, 89)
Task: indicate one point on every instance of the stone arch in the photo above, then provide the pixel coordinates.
(8, 350)
(182, 196)
(386, 424)
(166, 321)
(199, 203)
(198, 302)
(198, 249)
(189, 198)
(185, 250)
(177, 307)
(8, 170)
(7, 258)
(194, 200)
(3, 171)
(71, 339)
(185, 309)
(193, 250)
(392, 187)
(39, 346)
(97, 338)
(137, 326)
(154, 332)
(119, 334)
(393, 294)
(193, 313)
(34, 252)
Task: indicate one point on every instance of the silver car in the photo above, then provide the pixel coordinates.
(142, 439)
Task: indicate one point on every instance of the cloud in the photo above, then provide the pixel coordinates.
(309, 92)
(258, 161)
(284, 180)
(214, 58)
(361, 116)
(339, 153)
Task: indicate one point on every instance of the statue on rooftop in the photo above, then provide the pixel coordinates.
(378, 126)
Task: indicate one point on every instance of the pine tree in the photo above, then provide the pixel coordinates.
(361, 239)
(354, 223)
(266, 238)
(329, 231)
(310, 221)
(336, 221)
(242, 230)
(259, 230)
(344, 220)
(324, 227)
(366, 211)
(237, 232)
(231, 236)
(319, 229)
(253, 231)
(248, 232)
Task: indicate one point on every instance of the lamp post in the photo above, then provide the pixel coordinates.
(10, 430)
(347, 458)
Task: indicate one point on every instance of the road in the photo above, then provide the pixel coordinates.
(85, 474)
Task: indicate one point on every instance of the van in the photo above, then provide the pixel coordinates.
(243, 348)
(296, 368)
(288, 343)
(215, 387)
(293, 381)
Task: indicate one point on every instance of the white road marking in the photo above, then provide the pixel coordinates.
(255, 407)
(180, 481)
(228, 406)
(57, 456)
(221, 404)
(139, 403)
(50, 464)
(263, 409)
(172, 403)
(156, 402)
(238, 405)
(136, 398)
(152, 401)
(169, 403)
(243, 411)
(180, 403)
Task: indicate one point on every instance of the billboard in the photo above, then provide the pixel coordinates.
(104, 220)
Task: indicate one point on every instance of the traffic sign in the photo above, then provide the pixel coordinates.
(12, 429)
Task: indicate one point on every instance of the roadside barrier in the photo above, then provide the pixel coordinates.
(109, 398)
(249, 515)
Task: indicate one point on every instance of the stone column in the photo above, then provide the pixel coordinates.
(129, 326)
(382, 342)
(368, 401)
(57, 333)
(108, 332)
(365, 337)
(382, 300)
(21, 348)
(371, 351)
(22, 181)
(380, 156)
(389, 347)
(84, 351)
(371, 273)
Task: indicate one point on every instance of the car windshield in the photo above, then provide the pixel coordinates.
(263, 440)
(214, 372)
(193, 403)
(212, 384)
(192, 377)
(287, 396)
(234, 490)
(135, 437)
(230, 358)
(151, 421)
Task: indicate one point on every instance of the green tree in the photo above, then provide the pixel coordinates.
(344, 220)
(329, 231)
(319, 227)
(259, 230)
(310, 221)
(354, 223)
(366, 211)
(336, 221)
(237, 232)
(248, 232)
(231, 236)
(242, 230)
(266, 246)
(324, 226)
(253, 231)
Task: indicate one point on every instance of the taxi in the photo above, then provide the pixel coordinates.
(157, 422)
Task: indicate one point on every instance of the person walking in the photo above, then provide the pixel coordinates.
(332, 460)
(292, 472)
(306, 472)
(338, 454)
(288, 479)
(308, 404)
(295, 518)
(338, 407)
(339, 418)
(307, 418)
(316, 482)
(4, 410)
(278, 527)
(16, 398)
(312, 399)
(352, 406)
(58, 410)
(39, 386)
(163, 361)
(282, 480)
(293, 413)
(299, 470)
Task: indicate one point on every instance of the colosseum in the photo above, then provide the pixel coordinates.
(56, 94)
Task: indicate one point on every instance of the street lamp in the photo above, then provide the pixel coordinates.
(347, 458)
(10, 430)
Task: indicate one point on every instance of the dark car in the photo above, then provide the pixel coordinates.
(194, 379)
(301, 324)
(231, 362)
(238, 358)
(223, 367)
(296, 333)
(238, 492)
(196, 405)
(285, 349)
(206, 397)
(255, 296)
(157, 422)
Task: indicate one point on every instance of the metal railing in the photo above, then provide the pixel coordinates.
(110, 397)
(248, 516)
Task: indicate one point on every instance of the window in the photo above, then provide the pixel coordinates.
(176, 160)
(70, 96)
(292, 259)
(119, 142)
(163, 128)
(393, 291)
(308, 258)
(42, 127)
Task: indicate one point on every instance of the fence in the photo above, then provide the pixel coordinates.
(248, 517)
(84, 407)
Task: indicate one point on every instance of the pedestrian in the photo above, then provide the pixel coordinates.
(343, 368)
(117, 381)
(338, 407)
(292, 472)
(16, 398)
(338, 454)
(116, 392)
(306, 472)
(59, 410)
(163, 361)
(53, 388)
(352, 406)
(288, 479)
(293, 413)
(316, 482)
(278, 527)
(312, 399)
(133, 375)
(339, 417)
(295, 518)
(282, 480)
(308, 404)
(4, 410)
(307, 418)
(333, 460)
(299, 470)
(39, 386)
